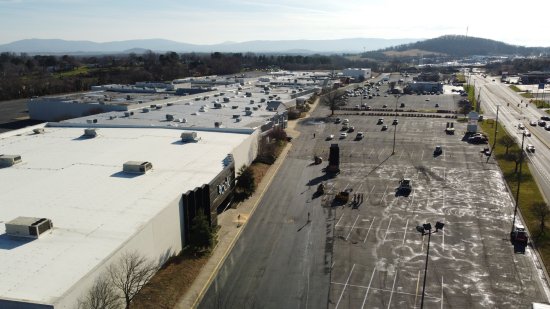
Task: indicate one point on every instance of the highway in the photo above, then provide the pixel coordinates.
(514, 110)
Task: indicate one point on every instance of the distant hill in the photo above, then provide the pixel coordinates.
(459, 46)
(56, 46)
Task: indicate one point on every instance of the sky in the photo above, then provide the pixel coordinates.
(217, 21)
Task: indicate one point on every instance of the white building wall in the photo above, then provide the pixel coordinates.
(158, 240)
(247, 151)
(356, 72)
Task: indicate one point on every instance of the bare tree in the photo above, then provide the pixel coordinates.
(507, 142)
(102, 295)
(130, 273)
(541, 211)
(333, 99)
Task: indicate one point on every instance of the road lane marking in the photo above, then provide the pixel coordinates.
(392, 289)
(344, 289)
(368, 288)
(387, 230)
(352, 227)
(369, 230)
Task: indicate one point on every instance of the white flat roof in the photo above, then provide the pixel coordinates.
(79, 184)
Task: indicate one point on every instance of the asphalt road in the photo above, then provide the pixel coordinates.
(370, 255)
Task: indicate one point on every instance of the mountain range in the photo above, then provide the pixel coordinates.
(57, 46)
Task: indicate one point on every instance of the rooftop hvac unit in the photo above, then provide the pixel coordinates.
(251, 101)
(248, 113)
(137, 167)
(183, 120)
(28, 226)
(236, 116)
(169, 117)
(152, 105)
(247, 108)
(9, 160)
(38, 131)
(234, 107)
(238, 120)
(217, 105)
(90, 132)
(158, 106)
(169, 104)
(217, 124)
(145, 110)
(188, 137)
(112, 117)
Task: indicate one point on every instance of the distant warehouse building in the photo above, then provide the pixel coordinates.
(419, 87)
(74, 199)
(534, 77)
(357, 73)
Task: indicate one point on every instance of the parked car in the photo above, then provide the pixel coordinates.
(337, 120)
(438, 150)
(330, 137)
(533, 123)
(526, 133)
(530, 148)
(343, 135)
(351, 129)
(380, 120)
(542, 123)
(436, 105)
(384, 127)
(427, 99)
(359, 135)
(395, 122)
(385, 106)
(521, 126)
(477, 139)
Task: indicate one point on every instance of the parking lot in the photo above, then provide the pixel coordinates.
(379, 257)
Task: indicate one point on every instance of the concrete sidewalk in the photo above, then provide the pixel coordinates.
(232, 223)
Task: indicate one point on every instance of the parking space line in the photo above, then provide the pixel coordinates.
(441, 292)
(344, 289)
(387, 230)
(368, 196)
(368, 288)
(412, 198)
(392, 288)
(443, 240)
(405, 235)
(401, 155)
(383, 290)
(369, 230)
(339, 220)
(384, 195)
(422, 157)
(417, 286)
(352, 227)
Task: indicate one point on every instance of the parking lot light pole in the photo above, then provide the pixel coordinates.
(519, 180)
(427, 229)
(395, 128)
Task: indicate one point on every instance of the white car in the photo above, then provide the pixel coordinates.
(330, 137)
(521, 126)
(526, 133)
(343, 135)
(530, 148)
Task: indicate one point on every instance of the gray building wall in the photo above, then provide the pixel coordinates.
(51, 109)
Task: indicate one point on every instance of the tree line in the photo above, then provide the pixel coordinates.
(24, 76)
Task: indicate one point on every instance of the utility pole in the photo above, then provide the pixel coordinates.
(395, 124)
(519, 181)
(495, 138)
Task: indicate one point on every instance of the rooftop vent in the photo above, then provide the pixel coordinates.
(9, 160)
(28, 226)
(38, 131)
(169, 117)
(137, 167)
(189, 137)
(90, 132)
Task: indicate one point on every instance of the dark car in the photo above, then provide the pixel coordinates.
(477, 139)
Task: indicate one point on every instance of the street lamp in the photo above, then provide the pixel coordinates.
(519, 180)
(395, 123)
(424, 229)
